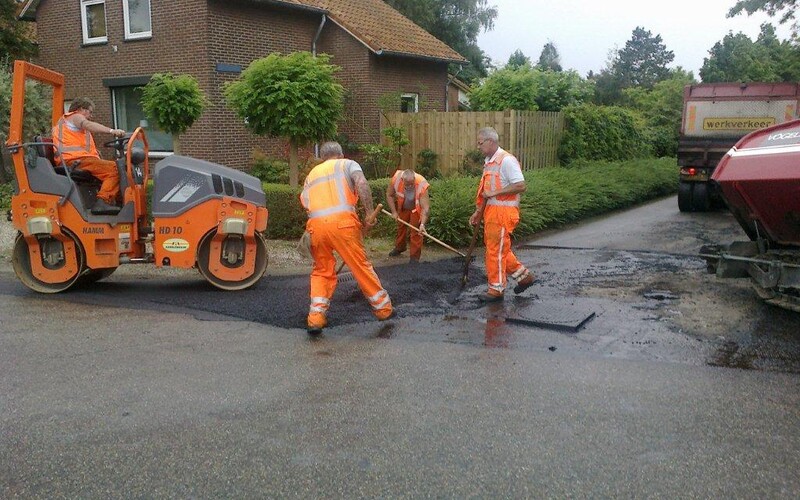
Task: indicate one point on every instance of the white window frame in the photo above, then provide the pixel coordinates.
(85, 22)
(141, 34)
(412, 97)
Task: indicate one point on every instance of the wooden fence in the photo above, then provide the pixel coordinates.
(532, 136)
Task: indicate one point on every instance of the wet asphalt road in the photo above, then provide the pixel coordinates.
(153, 386)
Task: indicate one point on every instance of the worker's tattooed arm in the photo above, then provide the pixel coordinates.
(362, 188)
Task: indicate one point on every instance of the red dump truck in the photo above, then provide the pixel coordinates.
(759, 178)
(715, 117)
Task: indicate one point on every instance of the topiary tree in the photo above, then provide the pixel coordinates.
(174, 103)
(295, 97)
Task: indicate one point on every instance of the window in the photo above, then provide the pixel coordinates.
(128, 115)
(137, 19)
(93, 20)
(409, 103)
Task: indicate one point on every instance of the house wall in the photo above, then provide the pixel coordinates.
(195, 36)
(367, 76)
(178, 45)
(238, 35)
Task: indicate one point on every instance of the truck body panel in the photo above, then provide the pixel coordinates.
(715, 117)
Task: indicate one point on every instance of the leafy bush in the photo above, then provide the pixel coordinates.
(269, 169)
(428, 164)
(602, 133)
(472, 164)
(6, 189)
(378, 161)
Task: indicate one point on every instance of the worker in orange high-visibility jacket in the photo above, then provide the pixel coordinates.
(330, 194)
(75, 147)
(499, 189)
(407, 196)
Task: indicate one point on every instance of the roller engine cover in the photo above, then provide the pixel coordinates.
(181, 182)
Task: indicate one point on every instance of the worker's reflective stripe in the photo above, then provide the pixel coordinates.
(491, 180)
(319, 304)
(381, 296)
(331, 211)
(519, 272)
(500, 203)
(341, 181)
(500, 275)
(88, 146)
(420, 185)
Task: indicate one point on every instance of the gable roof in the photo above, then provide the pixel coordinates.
(383, 30)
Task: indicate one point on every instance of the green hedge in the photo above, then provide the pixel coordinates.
(555, 196)
(598, 133)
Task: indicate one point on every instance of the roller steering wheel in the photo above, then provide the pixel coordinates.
(119, 142)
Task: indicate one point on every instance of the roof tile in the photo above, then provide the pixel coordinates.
(383, 29)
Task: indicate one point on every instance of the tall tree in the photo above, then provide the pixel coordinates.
(455, 22)
(549, 59)
(784, 8)
(643, 61)
(15, 42)
(737, 58)
(518, 59)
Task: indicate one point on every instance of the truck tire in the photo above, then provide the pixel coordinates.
(701, 201)
(685, 196)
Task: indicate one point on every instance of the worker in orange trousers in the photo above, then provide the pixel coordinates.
(499, 190)
(407, 197)
(330, 194)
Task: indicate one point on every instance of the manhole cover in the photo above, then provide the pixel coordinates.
(553, 316)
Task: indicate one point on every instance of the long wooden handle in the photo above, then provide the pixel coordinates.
(374, 214)
(424, 233)
(472, 243)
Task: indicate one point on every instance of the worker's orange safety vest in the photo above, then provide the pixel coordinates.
(329, 190)
(491, 181)
(72, 143)
(420, 186)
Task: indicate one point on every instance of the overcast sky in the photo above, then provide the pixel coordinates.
(584, 31)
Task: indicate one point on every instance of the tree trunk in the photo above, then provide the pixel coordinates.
(293, 170)
(176, 144)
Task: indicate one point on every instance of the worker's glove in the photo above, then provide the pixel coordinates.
(421, 227)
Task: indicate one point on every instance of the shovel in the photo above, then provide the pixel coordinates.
(472, 245)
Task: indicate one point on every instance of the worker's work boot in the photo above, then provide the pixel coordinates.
(101, 207)
(491, 296)
(316, 322)
(525, 282)
(385, 314)
(395, 252)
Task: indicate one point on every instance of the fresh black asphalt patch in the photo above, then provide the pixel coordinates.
(415, 289)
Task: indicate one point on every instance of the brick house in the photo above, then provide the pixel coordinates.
(107, 49)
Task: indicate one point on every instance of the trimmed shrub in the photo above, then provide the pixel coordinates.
(269, 170)
(602, 133)
(428, 164)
